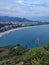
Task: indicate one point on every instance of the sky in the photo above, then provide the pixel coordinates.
(24, 8)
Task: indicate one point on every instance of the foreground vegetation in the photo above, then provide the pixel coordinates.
(18, 55)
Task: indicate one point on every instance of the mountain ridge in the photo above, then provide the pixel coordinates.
(21, 19)
(13, 19)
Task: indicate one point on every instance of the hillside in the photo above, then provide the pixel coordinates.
(18, 55)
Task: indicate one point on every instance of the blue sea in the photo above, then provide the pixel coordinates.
(27, 36)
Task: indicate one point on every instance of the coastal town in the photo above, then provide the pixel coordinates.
(5, 26)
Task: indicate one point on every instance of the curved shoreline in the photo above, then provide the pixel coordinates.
(7, 32)
(12, 30)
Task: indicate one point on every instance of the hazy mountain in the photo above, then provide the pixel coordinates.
(18, 19)
(40, 18)
(8, 19)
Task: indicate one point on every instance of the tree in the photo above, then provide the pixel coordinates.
(18, 45)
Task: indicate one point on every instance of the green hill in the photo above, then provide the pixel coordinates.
(18, 55)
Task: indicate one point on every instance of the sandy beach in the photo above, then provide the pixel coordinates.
(6, 32)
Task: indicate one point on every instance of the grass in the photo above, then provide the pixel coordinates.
(20, 63)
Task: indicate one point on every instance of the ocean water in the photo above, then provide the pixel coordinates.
(27, 37)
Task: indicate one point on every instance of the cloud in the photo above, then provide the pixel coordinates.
(18, 1)
(24, 8)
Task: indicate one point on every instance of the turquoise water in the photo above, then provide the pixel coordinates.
(27, 36)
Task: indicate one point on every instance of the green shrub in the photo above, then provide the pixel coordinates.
(34, 53)
(18, 51)
(45, 59)
(46, 47)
